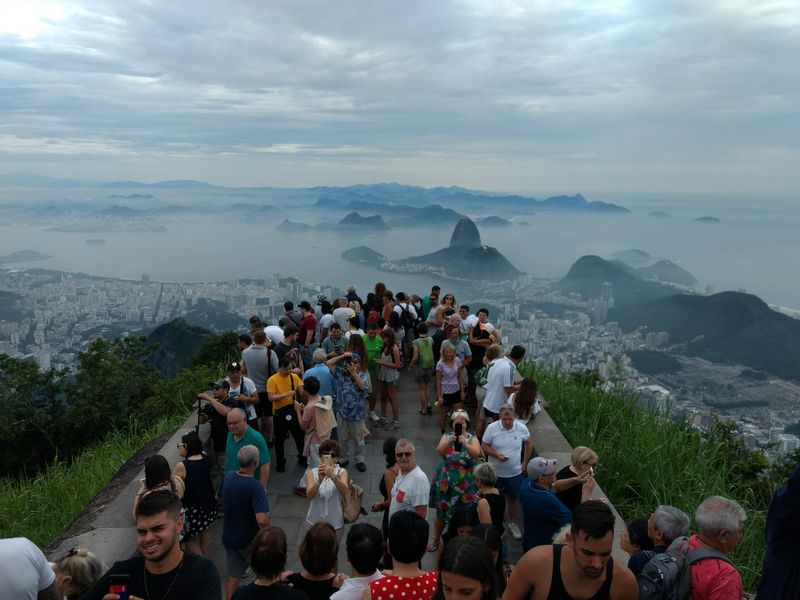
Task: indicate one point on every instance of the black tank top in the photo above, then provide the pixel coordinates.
(557, 591)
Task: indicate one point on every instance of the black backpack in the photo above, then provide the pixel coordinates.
(668, 575)
(406, 319)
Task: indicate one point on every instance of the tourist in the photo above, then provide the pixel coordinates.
(449, 385)
(463, 518)
(314, 435)
(543, 513)
(199, 505)
(665, 525)
(781, 574)
(501, 382)
(389, 377)
(283, 388)
(308, 330)
(584, 565)
(488, 534)
(259, 363)
(491, 502)
(290, 349)
(454, 482)
(76, 572)
(325, 485)
(385, 487)
(319, 552)
(321, 372)
(219, 403)
(342, 313)
(374, 345)
(350, 382)
(24, 571)
(637, 544)
(157, 476)
(525, 402)
(243, 392)
(268, 556)
(240, 434)
(411, 489)
(571, 480)
(466, 571)
(354, 327)
(363, 545)
(289, 316)
(423, 364)
(478, 379)
(335, 344)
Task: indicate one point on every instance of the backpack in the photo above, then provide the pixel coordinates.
(406, 320)
(351, 503)
(426, 353)
(668, 575)
(482, 375)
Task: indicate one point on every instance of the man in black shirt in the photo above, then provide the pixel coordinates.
(163, 571)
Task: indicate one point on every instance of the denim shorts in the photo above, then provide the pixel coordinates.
(509, 486)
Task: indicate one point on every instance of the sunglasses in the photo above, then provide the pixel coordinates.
(332, 454)
(403, 454)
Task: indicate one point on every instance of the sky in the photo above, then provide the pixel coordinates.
(506, 95)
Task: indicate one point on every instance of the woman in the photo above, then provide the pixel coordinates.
(389, 377)
(399, 331)
(454, 482)
(354, 327)
(449, 384)
(466, 571)
(524, 401)
(489, 536)
(157, 476)
(268, 555)
(464, 518)
(637, 543)
(199, 504)
(325, 485)
(568, 486)
(76, 572)
(385, 487)
(448, 303)
(388, 305)
(319, 551)
(362, 319)
(491, 503)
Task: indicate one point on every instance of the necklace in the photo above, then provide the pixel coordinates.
(169, 589)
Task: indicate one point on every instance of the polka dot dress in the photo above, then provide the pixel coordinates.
(405, 588)
(199, 519)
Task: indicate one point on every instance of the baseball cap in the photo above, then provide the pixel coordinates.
(325, 403)
(541, 466)
(221, 383)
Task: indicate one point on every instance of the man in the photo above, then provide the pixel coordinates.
(350, 383)
(274, 333)
(374, 345)
(781, 574)
(364, 550)
(289, 348)
(342, 313)
(290, 315)
(430, 301)
(260, 362)
(583, 568)
(282, 389)
(243, 392)
(542, 512)
(508, 445)
(246, 508)
(321, 371)
(308, 331)
(411, 488)
(324, 321)
(25, 572)
(467, 320)
(666, 524)
(408, 319)
(335, 343)
(720, 524)
(352, 296)
(219, 405)
(240, 434)
(245, 340)
(162, 569)
(500, 382)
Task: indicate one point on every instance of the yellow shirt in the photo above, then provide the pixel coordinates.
(280, 384)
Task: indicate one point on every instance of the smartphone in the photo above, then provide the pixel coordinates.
(118, 584)
(591, 471)
(326, 460)
(458, 429)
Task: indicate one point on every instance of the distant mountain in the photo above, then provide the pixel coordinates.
(494, 221)
(214, 315)
(175, 184)
(588, 274)
(178, 343)
(287, 226)
(131, 196)
(635, 257)
(463, 259)
(710, 220)
(729, 327)
(669, 272)
(659, 214)
(120, 212)
(355, 220)
(363, 255)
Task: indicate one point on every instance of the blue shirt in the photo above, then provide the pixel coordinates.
(781, 573)
(251, 436)
(544, 515)
(242, 498)
(324, 376)
(349, 397)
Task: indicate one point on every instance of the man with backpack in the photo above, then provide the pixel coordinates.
(259, 362)
(583, 565)
(408, 319)
(422, 363)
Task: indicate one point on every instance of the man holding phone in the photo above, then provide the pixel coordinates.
(162, 570)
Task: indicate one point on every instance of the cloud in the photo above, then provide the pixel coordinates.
(418, 89)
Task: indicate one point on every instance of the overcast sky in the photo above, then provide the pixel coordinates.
(562, 95)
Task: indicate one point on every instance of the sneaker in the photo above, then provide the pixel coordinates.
(394, 424)
(373, 417)
(299, 491)
(344, 463)
(430, 410)
(361, 467)
(381, 422)
(515, 532)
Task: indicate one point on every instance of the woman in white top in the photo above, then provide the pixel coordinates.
(325, 485)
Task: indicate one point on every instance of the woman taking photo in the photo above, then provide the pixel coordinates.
(571, 480)
(454, 482)
(449, 384)
(325, 485)
(199, 504)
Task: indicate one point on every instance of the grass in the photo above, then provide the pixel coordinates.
(647, 459)
(42, 507)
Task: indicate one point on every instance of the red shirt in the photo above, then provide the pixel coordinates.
(307, 324)
(393, 587)
(714, 579)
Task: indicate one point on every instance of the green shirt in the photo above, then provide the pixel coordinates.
(251, 436)
(374, 348)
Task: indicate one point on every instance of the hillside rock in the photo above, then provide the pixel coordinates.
(465, 234)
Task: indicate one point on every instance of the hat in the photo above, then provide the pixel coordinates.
(539, 466)
(355, 355)
(234, 366)
(221, 383)
(325, 403)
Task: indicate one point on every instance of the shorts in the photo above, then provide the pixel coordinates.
(451, 399)
(395, 383)
(422, 375)
(509, 486)
(236, 560)
(490, 416)
(264, 406)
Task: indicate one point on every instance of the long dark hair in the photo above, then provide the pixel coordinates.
(157, 472)
(470, 557)
(388, 451)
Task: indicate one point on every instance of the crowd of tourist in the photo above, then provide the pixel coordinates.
(327, 376)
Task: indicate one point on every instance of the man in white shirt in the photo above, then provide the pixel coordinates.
(500, 382)
(364, 550)
(411, 488)
(508, 445)
(24, 571)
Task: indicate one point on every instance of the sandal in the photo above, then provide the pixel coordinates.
(433, 545)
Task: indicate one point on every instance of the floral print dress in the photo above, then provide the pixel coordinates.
(454, 482)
